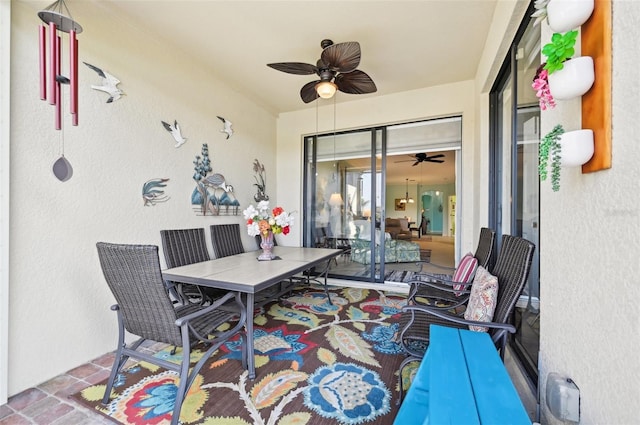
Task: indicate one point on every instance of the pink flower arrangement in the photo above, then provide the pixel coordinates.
(259, 221)
(541, 86)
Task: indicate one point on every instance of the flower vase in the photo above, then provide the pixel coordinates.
(566, 15)
(576, 147)
(267, 247)
(573, 80)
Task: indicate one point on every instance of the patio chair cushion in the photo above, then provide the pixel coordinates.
(482, 300)
(465, 272)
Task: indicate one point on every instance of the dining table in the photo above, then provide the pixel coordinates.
(246, 274)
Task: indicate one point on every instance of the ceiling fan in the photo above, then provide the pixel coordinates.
(423, 157)
(336, 69)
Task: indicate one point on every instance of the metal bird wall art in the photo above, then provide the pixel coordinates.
(175, 132)
(109, 84)
(261, 182)
(227, 127)
(151, 194)
(217, 200)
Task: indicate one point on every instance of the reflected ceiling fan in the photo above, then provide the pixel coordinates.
(423, 157)
(336, 69)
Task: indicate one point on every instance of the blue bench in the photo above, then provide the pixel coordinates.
(461, 380)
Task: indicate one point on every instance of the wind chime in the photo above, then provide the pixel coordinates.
(58, 19)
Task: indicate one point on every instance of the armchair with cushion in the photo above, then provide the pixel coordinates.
(449, 289)
(493, 297)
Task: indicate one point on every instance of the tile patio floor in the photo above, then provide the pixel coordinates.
(49, 403)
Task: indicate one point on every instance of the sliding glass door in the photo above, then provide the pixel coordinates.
(514, 206)
(355, 182)
(344, 193)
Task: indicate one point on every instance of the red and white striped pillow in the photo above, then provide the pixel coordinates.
(465, 272)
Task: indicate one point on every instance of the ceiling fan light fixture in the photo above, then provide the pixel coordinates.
(406, 196)
(326, 89)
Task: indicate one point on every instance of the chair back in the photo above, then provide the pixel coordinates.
(226, 240)
(134, 277)
(486, 247)
(184, 246)
(512, 270)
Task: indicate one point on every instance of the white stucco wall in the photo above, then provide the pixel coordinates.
(59, 302)
(440, 101)
(590, 244)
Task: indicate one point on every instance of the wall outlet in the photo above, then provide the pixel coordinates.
(563, 398)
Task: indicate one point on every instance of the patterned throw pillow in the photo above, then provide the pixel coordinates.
(483, 298)
(465, 272)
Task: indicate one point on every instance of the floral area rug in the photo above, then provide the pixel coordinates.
(316, 363)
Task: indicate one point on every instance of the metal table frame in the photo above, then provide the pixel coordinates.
(244, 273)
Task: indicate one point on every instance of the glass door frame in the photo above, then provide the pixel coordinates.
(377, 271)
(507, 79)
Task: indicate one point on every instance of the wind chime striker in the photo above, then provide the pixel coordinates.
(58, 19)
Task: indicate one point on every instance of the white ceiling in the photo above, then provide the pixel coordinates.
(405, 45)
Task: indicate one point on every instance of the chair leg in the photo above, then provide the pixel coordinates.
(112, 377)
(120, 358)
(184, 377)
(245, 349)
(404, 364)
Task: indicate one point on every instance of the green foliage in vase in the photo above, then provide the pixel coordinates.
(550, 147)
(559, 50)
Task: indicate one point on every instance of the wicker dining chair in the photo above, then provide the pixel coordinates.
(226, 240)
(144, 309)
(452, 290)
(188, 246)
(511, 270)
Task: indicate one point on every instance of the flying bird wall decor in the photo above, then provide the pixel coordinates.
(109, 84)
(175, 132)
(227, 127)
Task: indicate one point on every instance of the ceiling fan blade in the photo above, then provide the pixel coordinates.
(440, 155)
(297, 68)
(439, 161)
(308, 92)
(342, 57)
(355, 82)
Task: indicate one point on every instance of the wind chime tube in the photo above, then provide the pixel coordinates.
(58, 88)
(43, 62)
(73, 75)
(74, 83)
(51, 95)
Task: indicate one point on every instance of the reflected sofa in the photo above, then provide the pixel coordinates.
(398, 228)
(396, 251)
